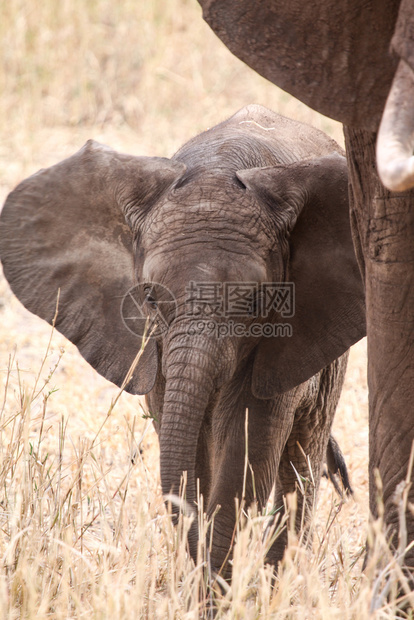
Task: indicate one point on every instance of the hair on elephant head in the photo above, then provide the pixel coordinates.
(236, 255)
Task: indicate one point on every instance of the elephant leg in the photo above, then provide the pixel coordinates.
(383, 230)
(304, 454)
(288, 483)
(267, 434)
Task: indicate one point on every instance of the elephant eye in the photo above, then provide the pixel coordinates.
(149, 299)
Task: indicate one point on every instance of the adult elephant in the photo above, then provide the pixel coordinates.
(354, 61)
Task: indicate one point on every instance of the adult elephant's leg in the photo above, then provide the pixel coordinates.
(383, 228)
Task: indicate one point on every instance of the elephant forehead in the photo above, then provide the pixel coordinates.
(239, 219)
(178, 270)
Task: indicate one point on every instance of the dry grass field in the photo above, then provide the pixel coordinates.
(83, 529)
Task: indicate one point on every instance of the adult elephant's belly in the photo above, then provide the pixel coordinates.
(325, 66)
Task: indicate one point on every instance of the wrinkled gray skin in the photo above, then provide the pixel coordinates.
(354, 61)
(259, 198)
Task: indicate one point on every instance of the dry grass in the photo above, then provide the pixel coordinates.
(84, 526)
(84, 531)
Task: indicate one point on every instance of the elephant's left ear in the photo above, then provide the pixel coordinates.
(69, 228)
(310, 200)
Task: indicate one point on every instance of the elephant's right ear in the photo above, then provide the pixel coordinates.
(65, 228)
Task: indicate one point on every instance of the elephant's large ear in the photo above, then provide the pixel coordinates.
(65, 229)
(311, 200)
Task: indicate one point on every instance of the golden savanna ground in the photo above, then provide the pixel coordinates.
(83, 528)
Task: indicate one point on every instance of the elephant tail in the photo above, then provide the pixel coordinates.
(336, 467)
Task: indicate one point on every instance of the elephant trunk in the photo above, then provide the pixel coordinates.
(191, 370)
(395, 144)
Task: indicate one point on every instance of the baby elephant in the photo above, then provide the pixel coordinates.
(235, 258)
